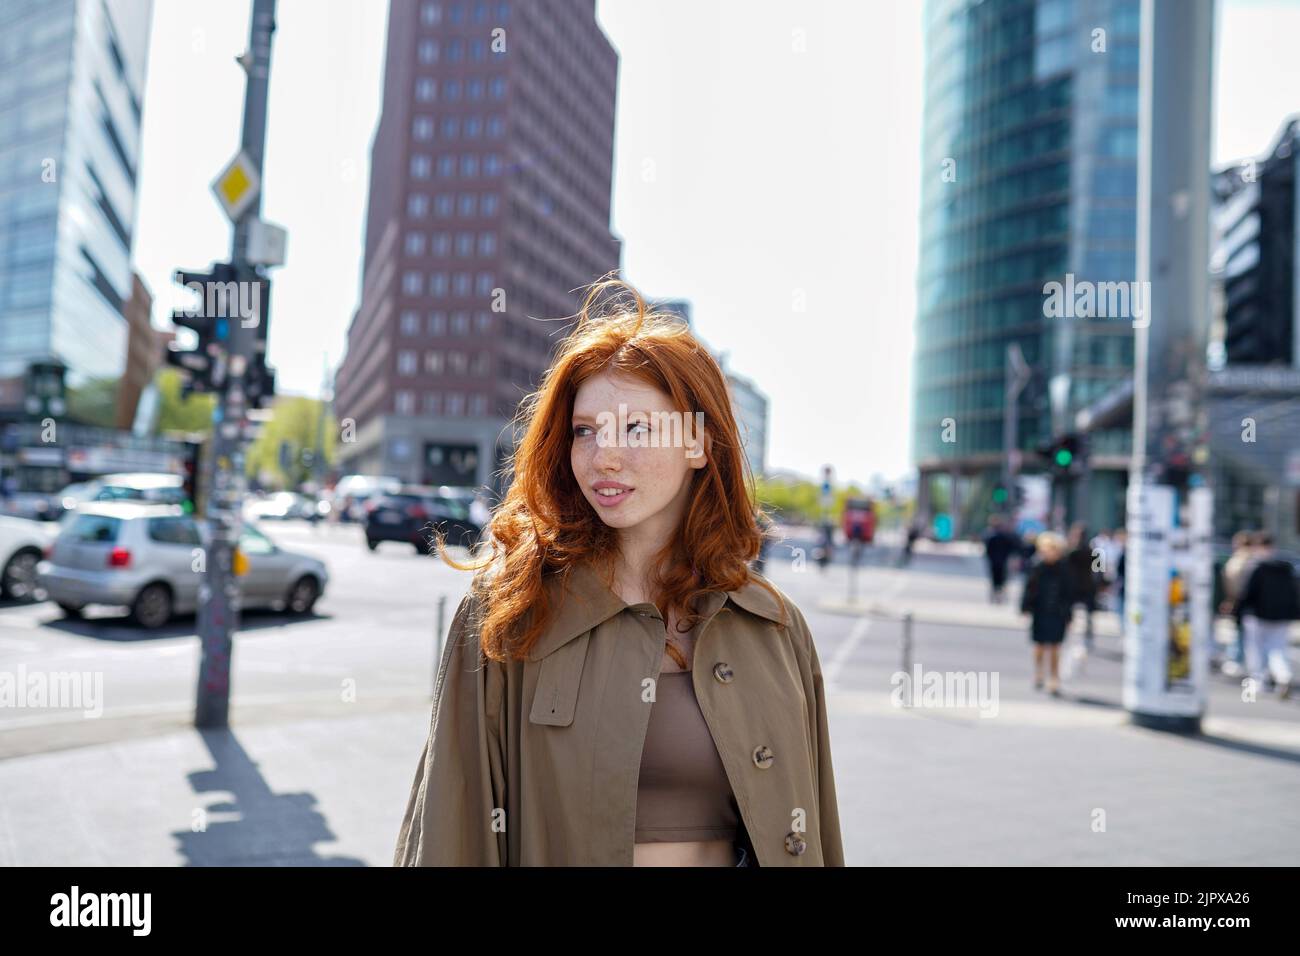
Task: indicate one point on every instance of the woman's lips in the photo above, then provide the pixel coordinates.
(609, 501)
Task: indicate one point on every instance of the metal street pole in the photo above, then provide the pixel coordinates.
(1017, 377)
(1168, 625)
(219, 596)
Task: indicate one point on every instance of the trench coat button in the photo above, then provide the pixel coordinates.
(762, 757)
(795, 844)
(723, 672)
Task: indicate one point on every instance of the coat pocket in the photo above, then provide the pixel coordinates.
(558, 680)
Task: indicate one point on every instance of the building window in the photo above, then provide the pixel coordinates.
(460, 284)
(437, 284)
(411, 283)
(417, 205)
(483, 285)
(480, 11)
(483, 321)
(426, 90)
(491, 164)
(433, 362)
(415, 243)
(474, 89)
(437, 323)
(452, 89)
(407, 362)
(428, 51)
(465, 244)
(446, 166)
(460, 323)
(457, 12)
(456, 362)
(442, 243)
(465, 207)
(410, 322)
(495, 127)
(487, 244)
(455, 403)
(420, 166)
(442, 206)
(430, 13)
(477, 51)
(422, 128)
(432, 406)
(469, 165)
(478, 405)
(473, 127)
(498, 88)
(482, 363)
(490, 201)
(450, 127)
(404, 403)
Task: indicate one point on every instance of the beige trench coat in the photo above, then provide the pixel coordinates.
(536, 762)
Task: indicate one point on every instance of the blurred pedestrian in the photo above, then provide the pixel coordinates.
(1049, 599)
(913, 532)
(999, 545)
(1269, 602)
(1236, 571)
(1083, 577)
(1121, 552)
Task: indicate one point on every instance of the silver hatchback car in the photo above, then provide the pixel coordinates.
(150, 558)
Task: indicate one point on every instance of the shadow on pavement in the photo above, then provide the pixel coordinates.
(267, 829)
(122, 629)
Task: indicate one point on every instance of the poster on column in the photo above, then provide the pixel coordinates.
(1167, 590)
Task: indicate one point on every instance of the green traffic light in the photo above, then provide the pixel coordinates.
(999, 495)
(1064, 457)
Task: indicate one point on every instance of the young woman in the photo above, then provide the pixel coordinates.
(1049, 598)
(618, 687)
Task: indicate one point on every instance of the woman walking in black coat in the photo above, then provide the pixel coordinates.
(1049, 598)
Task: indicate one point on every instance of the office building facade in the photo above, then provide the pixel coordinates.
(1029, 178)
(489, 210)
(72, 76)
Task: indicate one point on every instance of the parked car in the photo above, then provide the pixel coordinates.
(142, 486)
(22, 544)
(147, 558)
(281, 506)
(411, 516)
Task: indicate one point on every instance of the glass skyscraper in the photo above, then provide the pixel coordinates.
(72, 78)
(1029, 176)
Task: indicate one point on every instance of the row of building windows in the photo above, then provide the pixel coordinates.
(479, 11)
(439, 323)
(446, 204)
(422, 165)
(441, 244)
(473, 127)
(440, 403)
(436, 362)
(442, 283)
(475, 89)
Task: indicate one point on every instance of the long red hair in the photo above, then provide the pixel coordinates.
(544, 526)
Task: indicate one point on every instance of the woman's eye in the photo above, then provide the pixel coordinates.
(632, 425)
(577, 430)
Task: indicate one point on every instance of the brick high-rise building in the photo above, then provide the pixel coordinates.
(489, 204)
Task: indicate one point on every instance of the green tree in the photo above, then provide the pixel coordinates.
(295, 420)
(94, 402)
(193, 414)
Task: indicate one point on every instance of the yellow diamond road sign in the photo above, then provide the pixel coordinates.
(237, 186)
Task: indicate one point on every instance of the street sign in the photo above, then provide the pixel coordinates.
(237, 186)
(266, 243)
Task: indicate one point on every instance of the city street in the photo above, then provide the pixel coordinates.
(329, 714)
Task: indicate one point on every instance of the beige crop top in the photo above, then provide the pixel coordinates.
(683, 793)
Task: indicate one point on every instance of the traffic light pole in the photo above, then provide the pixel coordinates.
(224, 467)
(1169, 622)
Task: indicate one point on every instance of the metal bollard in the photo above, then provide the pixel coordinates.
(437, 655)
(907, 654)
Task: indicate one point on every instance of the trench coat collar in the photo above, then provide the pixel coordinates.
(588, 602)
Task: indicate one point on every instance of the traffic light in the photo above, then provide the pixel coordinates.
(1000, 494)
(218, 292)
(190, 477)
(1066, 455)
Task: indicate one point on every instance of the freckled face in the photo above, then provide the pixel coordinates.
(647, 487)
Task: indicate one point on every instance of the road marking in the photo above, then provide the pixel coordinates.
(830, 673)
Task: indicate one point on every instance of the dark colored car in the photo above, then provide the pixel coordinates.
(411, 516)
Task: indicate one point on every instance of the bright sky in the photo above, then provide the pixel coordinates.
(766, 169)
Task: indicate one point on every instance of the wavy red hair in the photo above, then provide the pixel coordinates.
(544, 526)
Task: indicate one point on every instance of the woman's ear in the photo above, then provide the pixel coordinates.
(698, 454)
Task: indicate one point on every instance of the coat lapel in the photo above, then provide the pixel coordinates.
(585, 603)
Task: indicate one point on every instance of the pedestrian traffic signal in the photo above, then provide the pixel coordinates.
(1066, 455)
(190, 477)
(209, 319)
(999, 494)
